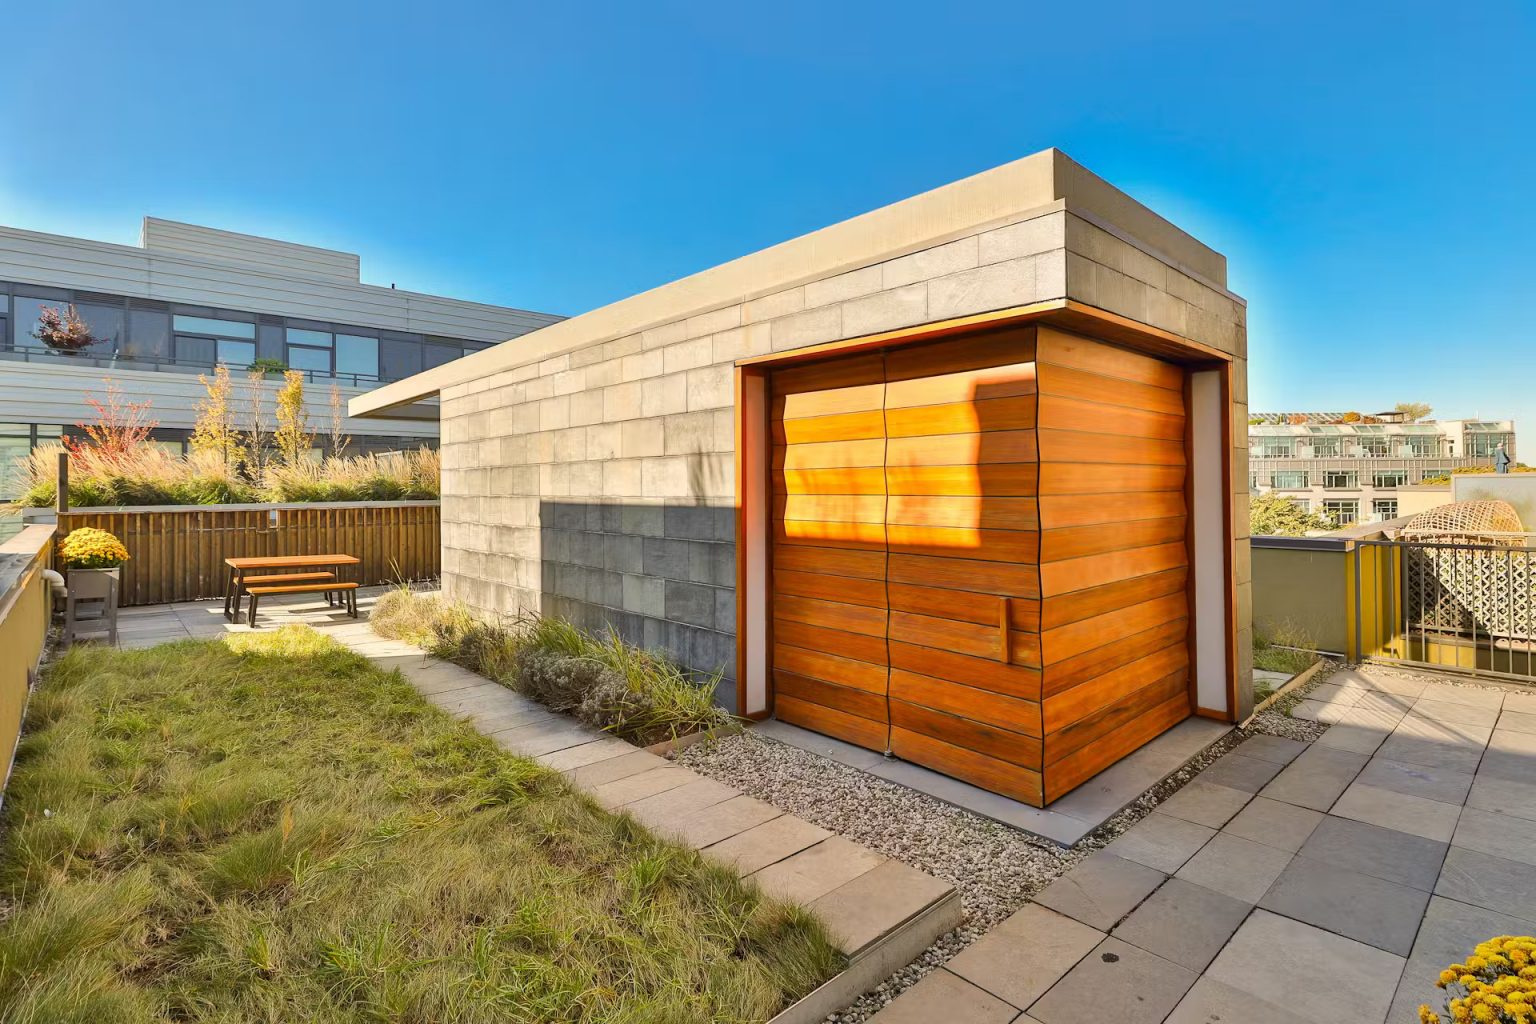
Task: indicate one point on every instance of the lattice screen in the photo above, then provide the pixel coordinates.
(1467, 579)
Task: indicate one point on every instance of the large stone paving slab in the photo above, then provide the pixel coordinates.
(1182, 922)
(1024, 956)
(1216, 1002)
(1495, 883)
(942, 996)
(765, 844)
(1412, 814)
(1500, 835)
(1161, 841)
(1237, 867)
(1370, 849)
(875, 903)
(1101, 890)
(816, 871)
(1272, 823)
(1313, 973)
(1441, 784)
(1116, 982)
(1362, 907)
(1316, 778)
(1206, 803)
(1502, 795)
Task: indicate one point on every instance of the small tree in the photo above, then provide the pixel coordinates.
(258, 431)
(339, 440)
(1413, 411)
(292, 437)
(63, 331)
(1270, 515)
(215, 430)
(119, 428)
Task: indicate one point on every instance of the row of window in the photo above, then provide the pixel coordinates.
(1344, 512)
(127, 330)
(1369, 447)
(1339, 479)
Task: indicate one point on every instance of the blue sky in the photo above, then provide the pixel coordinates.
(1366, 167)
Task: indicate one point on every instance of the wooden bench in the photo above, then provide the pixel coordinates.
(347, 590)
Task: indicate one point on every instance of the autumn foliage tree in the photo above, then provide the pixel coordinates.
(292, 437)
(215, 430)
(119, 428)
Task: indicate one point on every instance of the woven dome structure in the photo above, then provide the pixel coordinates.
(1468, 519)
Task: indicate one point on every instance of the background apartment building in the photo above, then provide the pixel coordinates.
(1349, 467)
(188, 298)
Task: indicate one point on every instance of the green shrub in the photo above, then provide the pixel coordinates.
(605, 682)
(1289, 649)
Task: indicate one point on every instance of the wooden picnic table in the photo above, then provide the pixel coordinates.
(240, 568)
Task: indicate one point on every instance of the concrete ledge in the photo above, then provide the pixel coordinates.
(878, 961)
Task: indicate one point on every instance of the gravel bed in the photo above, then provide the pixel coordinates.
(995, 868)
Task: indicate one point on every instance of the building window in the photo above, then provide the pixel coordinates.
(310, 350)
(1274, 448)
(1389, 478)
(1375, 447)
(1341, 479)
(206, 340)
(1421, 447)
(1482, 446)
(1342, 513)
(1326, 448)
(357, 355)
(1290, 480)
(1385, 508)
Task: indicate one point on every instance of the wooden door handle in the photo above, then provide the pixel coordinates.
(1004, 655)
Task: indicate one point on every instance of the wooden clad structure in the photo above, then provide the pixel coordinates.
(980, 556)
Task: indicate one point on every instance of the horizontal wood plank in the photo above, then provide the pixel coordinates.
(1093, 387)
(962, 417)
(793, 583)
(861, 732)
(964, 606)
(829, 374)
(960, 449)
(989, 773)
(1079, 446)
(1063, 642)
(856, 536)
(861, 675)
(837, 643)
(1075, 769)
(830, 402)
(1058, 511)
(862, 480)
(846, 426)
(846, 699)
(1060, 348)
(1063, 708)
(978, 705)
(999, 480)
(968, 734)
(1063, 675)
(1007, 347)
(966, 511)
(1088, 478)
(850, 618)
(830, 508)
(1000, 578)
(1020, 681)
(1059, 413)
(864, 565)
(1083, 604)
(1081, 541)
(1069, 574)
(830, 455)
(1011, 546)
(1108, 717)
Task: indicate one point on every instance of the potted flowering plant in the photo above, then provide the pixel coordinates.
(94, 560)
(63, 330)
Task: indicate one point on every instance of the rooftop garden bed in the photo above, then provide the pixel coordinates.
(266, 827)
(636, 694)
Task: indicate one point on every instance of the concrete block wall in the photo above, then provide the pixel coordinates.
(598, 484)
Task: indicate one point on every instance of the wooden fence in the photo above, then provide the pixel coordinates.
(178, 551)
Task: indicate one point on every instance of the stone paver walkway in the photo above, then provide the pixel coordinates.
(1289, 883)
(870, 903)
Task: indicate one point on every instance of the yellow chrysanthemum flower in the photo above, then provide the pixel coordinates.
(90, 548)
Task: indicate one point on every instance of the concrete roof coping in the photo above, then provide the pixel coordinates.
(1044, 182)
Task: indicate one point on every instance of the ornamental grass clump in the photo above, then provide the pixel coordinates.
(640, 695)
(90, 548)
(1496, 985)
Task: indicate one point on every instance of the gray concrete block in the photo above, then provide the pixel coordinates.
(1116, 982)
(1183, 922)
(1242, 869)
(1205, 803)
(1026, 954)
(943, 996)
(690, 603)
(1161, 841)
(1100, 890)
(1372, 850)
(1414, 815)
